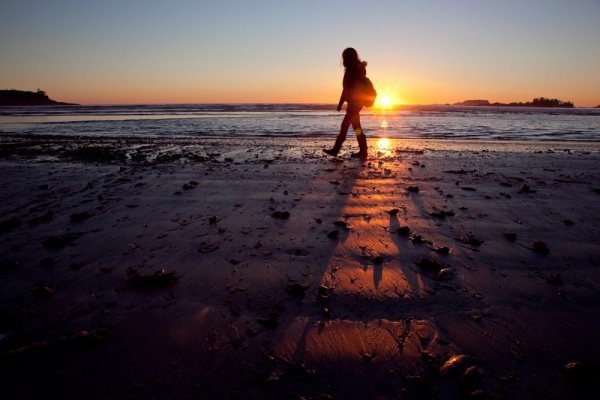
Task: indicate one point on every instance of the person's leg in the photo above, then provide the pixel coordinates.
(341, 137)
(360, 135)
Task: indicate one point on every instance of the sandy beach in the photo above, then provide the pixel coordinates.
(261, 268)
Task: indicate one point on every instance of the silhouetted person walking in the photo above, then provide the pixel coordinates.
(354, 92)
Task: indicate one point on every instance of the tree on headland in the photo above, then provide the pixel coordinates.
(537, 102)
(541, 102)
(544, 102)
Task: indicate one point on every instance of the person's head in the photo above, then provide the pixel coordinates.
(350, 58)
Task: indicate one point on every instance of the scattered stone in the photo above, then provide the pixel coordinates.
(510, 236)
(554, 278)
(298, 252)
(341, 224)
(75, 265)
(413, 189)
(403, 231)
(418, 239)
(596, 190)
(42, 219)
(281, 214)
(80, 216)
(296, 289)
(43, 289)
(526, 189)
(9, 224)
(367, 357)
(7, 265)
(212, 220)
(582, 378)
(459, 171)
(468, 189)
(208, 248)
(456, 365)
(323, 292)
(393, 211)
(430, 265)
(470, 240)
(47, 262)
(160, 278)
(442, 214)
(333, 234)
(442, 250)
(45, 186)
(471, 376)
(59, 241)
(540, 247)
(190, 185)
(270, 321)
(108, 268)
(568, 222)
(444, 274)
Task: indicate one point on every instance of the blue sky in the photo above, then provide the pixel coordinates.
(289, 51)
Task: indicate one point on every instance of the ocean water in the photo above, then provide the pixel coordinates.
(436, 122)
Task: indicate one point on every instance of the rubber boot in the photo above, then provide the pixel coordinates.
(362, 145)
(336, 147)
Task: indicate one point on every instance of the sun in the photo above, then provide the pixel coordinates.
(384, 101)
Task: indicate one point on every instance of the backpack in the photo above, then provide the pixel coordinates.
(366, 92)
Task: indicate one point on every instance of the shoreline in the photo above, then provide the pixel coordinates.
(264, 304)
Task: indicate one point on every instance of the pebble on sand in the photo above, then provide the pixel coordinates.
(281, 214)
(160, 278)
(80, 216)
(456, 365)
(58, 241)
(510, 236)
(296, 289)
(333, 234)
(540, 247)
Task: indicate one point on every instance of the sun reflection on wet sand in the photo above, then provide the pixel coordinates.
(383, 147)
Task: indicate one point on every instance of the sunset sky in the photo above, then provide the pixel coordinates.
(419, 52)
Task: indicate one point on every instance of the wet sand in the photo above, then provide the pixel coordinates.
(260, 268)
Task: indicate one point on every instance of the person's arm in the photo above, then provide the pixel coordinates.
(342, 100)
(343, 96)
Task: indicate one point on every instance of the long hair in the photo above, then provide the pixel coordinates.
(350, 58)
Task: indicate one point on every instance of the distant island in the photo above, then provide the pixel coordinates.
(537, 102)
(12, 97)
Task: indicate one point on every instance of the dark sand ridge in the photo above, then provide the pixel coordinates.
(247, 316)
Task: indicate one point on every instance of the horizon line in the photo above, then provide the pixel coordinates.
(293, 103)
